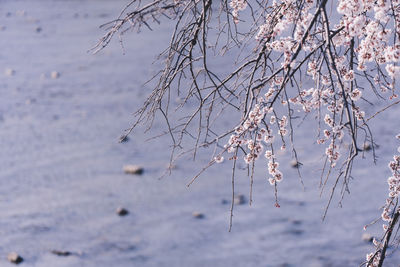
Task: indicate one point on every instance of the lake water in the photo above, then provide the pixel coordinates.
(61, 176)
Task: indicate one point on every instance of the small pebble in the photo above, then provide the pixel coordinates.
(295, 222)
(198, 215)
(133, 169)
(122, 211)
(13, 257)
(367, 146)
(239, 199)
(61, 253)
(300, 203)
(123, 138)
(9, 72)
(55, 75)
(295, 164)
(224, 201)
(295, 231)
(367, 237)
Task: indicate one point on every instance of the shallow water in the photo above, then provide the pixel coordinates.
(61, 176)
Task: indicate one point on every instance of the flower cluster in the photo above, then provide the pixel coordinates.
(237, 5)
(373, 259)
(390, 205)
(338, 57)
(256, 133)
(394, 187)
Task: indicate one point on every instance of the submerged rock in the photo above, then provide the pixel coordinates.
(122, 211)
(295, 164)
(133, 169)
(239, 199)
(123, 138)
(198, 215)
(61, 252)
(295, 221)
(295, 231)
(367, 146)
(9, 72)
(13, 257)
(367, 237)
(55, 75)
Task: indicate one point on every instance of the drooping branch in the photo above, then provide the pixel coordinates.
(282, 57)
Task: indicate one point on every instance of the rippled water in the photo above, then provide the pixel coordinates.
(61, 176)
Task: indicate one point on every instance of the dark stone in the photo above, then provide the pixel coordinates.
(133, 169)
(224, 201)
(239, 199)
(295, 222)
(198, 215)
(367, 238)
(295, 164)
(13, 257)
(122, 212)
(295, 231)
(367, 146)
(123, 138)
(61, 253)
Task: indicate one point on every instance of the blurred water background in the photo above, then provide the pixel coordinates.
(62, 110)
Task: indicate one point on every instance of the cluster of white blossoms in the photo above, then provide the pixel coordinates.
(362, 19)
(284, 31)
(237, 5)
(341, 57)
(390, 205)
(257, 133)
(362, 39)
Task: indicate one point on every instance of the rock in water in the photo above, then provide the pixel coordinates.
(239, 199)
(198, 215)
(9, 72)
(122, 211)
(133, 169)
(295, 222)
(123, 138)
(13, 257)
(295, 164)
(55, 75)
(367, 237)
(61, 253)
(367, 147)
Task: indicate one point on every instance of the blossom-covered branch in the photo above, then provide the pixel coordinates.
(318, 57)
